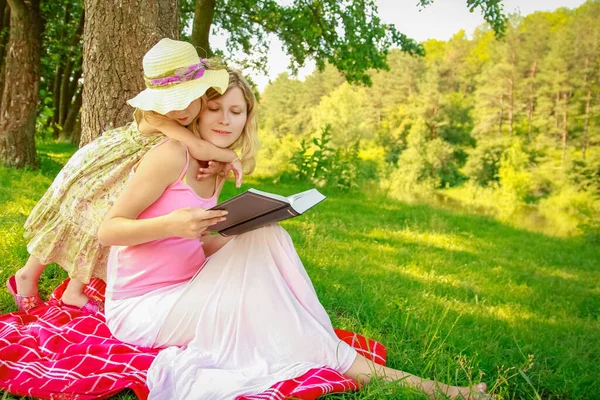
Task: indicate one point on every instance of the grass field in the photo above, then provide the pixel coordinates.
(453, 296)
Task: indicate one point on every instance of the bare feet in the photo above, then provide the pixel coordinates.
(364, 370)
(477, 392)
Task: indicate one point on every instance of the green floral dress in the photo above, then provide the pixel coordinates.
(63, 226)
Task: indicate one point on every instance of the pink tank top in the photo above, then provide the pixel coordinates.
(137, 270)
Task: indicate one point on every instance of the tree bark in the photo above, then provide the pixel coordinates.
(4, 23)
(203, 16)
(20, 98)
(76, 135)
(70, 79)
(58, 73)
(4, 28)
(588, 100)
(117, 34)
(501, 114)
(531, 99)
(586, 123)
(564, 129)
(511, 106)
(69, 125)
(65, 99)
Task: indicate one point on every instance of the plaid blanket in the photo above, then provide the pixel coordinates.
(52, 353)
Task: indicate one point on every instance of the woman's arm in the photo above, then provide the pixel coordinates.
(213, 243)
(159, 168)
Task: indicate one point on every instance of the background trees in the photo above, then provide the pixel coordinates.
(511, 124)
(101, 44)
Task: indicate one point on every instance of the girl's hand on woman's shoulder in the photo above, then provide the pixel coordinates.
(191, 222)
(222, 169)
(214, 168)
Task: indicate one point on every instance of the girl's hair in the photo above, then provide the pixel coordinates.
(247, 144)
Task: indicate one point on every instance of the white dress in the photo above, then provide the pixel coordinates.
(250, 318)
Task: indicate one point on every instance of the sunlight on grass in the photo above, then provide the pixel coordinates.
(453, 296)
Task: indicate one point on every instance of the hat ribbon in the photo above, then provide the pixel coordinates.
(179, 75)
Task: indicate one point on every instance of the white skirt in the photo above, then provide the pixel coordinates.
(249, 318)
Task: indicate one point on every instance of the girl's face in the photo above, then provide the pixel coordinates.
(223, 119)
(185, 117)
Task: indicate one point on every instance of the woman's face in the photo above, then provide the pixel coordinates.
(185, 117)
(223, 119)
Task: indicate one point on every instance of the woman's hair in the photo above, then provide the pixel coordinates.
(247, 144)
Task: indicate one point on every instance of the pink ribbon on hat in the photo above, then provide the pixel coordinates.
(185, 74)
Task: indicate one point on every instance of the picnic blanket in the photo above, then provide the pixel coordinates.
(54, 353)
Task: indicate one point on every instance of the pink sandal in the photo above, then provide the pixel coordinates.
(24, 303)
(92, 306)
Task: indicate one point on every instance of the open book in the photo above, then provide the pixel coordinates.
(254, 208)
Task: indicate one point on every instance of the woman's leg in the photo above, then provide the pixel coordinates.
(363, 370)
(27, 277)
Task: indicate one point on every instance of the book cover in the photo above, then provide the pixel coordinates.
(255, 208)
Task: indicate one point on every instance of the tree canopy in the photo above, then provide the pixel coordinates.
(346, 34)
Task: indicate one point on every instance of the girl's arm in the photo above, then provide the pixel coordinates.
(159, 168)
(199, 149)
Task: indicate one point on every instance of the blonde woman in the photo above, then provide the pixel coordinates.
(234, 315)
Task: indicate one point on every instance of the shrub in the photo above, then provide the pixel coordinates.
(483, 163)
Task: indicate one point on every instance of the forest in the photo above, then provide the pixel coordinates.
(509, 127)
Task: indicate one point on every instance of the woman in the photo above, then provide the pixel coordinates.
(234, 323)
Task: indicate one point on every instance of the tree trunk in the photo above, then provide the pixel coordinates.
(117, 34)
(564, 130)
(203, 16)
(76, 135)
(74, 108)
(58, 73)
(556, 110)
(531, 99)
(586, 119)
(70, 79)
(20, 98)
(433, 132)
(586, 123)
(4, 28)
(74, 86)
(65, 99)
(511, 106)
(501, 114)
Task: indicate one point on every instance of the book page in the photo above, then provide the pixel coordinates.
(306, 200)
(270, 195)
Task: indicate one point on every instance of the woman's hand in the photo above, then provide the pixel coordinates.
(191, 222)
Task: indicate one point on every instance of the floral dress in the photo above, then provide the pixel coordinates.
(63, 226)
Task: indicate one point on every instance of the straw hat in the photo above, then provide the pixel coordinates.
(175, 76)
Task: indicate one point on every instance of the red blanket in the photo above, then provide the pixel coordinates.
(51, 353)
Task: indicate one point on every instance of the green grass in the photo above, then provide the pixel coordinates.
(453, 296)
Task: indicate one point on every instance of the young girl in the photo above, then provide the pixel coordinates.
(237, 322)
(62, 228)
